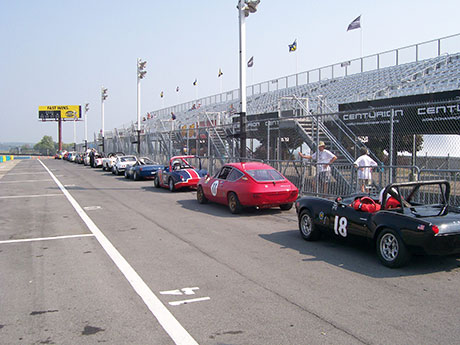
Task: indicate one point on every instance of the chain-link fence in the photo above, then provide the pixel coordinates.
(406, 142)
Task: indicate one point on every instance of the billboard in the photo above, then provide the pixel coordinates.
(54, 112)
(435, 113)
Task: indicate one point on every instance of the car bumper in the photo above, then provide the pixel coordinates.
(443, 245)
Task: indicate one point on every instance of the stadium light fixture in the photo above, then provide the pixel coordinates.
(104, 96)
(141, 72)
(244, 8)
(86, 125)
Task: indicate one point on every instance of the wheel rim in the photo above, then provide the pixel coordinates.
(232, 202)
(389, 247)
(306, 225)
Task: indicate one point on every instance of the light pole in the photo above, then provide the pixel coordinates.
(140, 75)
(244, 8)
(103, 98)
(86, 126)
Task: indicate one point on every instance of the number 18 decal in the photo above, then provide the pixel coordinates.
(340, 226)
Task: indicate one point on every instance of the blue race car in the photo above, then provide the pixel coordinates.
(144, 168)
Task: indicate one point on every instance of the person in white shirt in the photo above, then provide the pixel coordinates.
(323, 158)
(364, 164)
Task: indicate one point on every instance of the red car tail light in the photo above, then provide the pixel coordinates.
(293, 194)
(435, 229)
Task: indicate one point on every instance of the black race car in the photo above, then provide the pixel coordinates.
(406, 218)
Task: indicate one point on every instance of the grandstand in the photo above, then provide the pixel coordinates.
(303, 110)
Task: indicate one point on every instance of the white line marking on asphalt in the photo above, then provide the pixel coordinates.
(92, 208)
(22, 181)
(169, 323)
(183, 291)
(187, 301)
(28, 196)
(46, 238)
(29, 173)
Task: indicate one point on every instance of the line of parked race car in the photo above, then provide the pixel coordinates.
(406, 218)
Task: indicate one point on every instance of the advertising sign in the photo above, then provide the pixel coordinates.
(54, 112)
(435, 113)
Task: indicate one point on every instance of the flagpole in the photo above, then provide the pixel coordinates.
(361, 27)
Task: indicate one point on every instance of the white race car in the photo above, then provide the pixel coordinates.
(122, 162)
(109, 161)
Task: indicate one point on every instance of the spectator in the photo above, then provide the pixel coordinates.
(364, 164)
(323, 159)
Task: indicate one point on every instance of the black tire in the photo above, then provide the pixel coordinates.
(200, 197)
(135, 176)
(126, 174)
(233, 203)
(103, 168)
(171, 185)
(391, 250)
(307, 227)
(286, 207)
(113, 170)
(156, 182)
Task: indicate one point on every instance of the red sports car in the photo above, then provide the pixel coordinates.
(241, 185)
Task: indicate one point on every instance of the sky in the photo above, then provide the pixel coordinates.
(55, 52)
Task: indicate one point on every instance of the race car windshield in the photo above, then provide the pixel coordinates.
(127, 159)
(265, 175)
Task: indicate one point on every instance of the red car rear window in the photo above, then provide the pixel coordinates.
(265, 175)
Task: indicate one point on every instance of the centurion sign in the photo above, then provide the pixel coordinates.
(56, 112)
(435, 113)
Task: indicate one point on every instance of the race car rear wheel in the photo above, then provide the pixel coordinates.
(307, 228)
(136, 176)
(157, 182)
(200, 197)
(233, 203)
(391, 249)
(286, 207)
(171, 185)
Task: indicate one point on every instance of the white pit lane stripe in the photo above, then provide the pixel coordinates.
(46, 238)
(169, 323)
(22, 181)
(28, 196)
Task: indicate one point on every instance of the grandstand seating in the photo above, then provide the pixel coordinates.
(432, 75)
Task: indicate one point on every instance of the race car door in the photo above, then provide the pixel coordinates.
(217, 186)
(347, 221)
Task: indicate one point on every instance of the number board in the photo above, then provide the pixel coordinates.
(54, 112)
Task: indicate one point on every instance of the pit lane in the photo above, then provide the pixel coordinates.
(226, 279)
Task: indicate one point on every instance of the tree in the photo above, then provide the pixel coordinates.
(45, 146)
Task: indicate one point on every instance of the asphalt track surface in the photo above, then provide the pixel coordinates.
(105, 260)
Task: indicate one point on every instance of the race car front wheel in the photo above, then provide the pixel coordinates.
(171, 185)
(307, 228)
(200, 197)
(157, 182)
(391, 249)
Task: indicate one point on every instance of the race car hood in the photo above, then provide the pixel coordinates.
(187, 174)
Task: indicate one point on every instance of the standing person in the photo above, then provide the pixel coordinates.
(364, 164)
(324, 158)
(91, 157)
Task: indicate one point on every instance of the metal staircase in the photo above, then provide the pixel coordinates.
(218, 138)
(316, 128)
